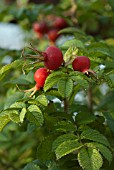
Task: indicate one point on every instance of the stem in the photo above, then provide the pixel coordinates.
(66, 105)
(90, 99)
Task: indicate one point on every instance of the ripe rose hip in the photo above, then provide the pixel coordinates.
(81, 63)
(53, 35)
(60, 23)
(41, 27)
(40, 76)
(53, 58)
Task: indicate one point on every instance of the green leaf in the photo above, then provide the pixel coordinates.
(22, 114)
(90, 159)
(35, 115)
(34, 108)
(62, 139)
(76, 88)
(100, 47)
(53, 79)
(5, 69)
(73, 42)
(18, 105)
(65, 87)
(31, 166)
(67, 147)
(44, 150)
(110, 120)
(70, 54)
(64, 126)
(85, 118)
(94, 135)
(72, 30)
(4, 120)
(13, 98)
(54, 93)
(25, 79)
(42, 100)
(79, 78)
(14, 116)
(103, 149)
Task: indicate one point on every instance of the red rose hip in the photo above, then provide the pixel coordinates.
(60, 23)
(53, 58)
(53, 35)
(81, 63)
(40, 76)
(40, 27)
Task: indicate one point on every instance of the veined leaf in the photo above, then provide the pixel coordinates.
(99, 47)
(6, 68)
(25, 79)
(79, 78)
(13, 98)
(85, 118)
(53, 79)
(4, 120)
(42, 100)
(53, 92)
(73, 42)
(35, 115)
(44, 150)
(65, 87)
(64, 126)
(22, 114)
(62, 139)
(94, 135)
(70, 54)
(34, 108)
(14, 116)
(18, 105)
(72, 30)
(90, 159)
(31, 166)
(110, 120)
(103, 149)
(67, 147)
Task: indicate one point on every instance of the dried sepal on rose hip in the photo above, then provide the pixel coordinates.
(82, 64)
(39, 76)
(52, 57)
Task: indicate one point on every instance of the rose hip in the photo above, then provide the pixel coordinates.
(40, 76)
(60, 23)
(53, 58)
(41, 27)
(81, 63)
(53, 35)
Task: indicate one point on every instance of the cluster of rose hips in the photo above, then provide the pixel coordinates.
(53, 59)
(50, 28)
